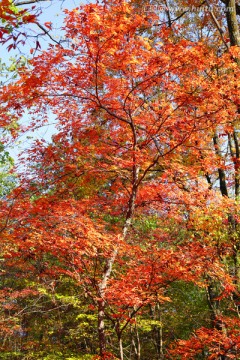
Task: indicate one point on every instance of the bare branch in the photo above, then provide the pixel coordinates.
(28, 2)
(46, 32)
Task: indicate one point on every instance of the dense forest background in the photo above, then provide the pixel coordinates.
(120, 232)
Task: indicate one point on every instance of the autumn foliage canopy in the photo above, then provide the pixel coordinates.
(132, 209)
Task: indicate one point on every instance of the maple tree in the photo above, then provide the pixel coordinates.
(123, 206)
(11, 19)
(21, 25)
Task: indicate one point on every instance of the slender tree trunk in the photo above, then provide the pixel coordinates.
(232, 22)
(138, 343)
(221, 172)
(213, 306)
(133, 343)
(237, 164)
(160, 329)
(109, 264)
(161, 355)
(120, 347)
(101, 329)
